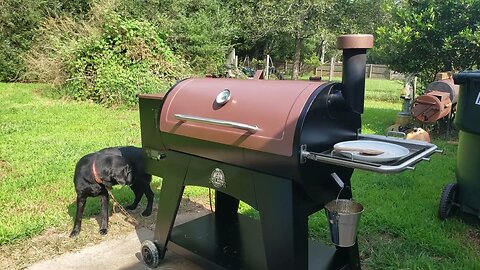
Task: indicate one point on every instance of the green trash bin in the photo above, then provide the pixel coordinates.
(467, 116)
(464, 195)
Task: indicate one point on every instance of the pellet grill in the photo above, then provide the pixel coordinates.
(268, 144)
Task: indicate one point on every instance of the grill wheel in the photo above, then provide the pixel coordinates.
(448, 201)
(150, 254)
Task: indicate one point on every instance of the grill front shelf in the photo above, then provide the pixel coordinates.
(418, 151)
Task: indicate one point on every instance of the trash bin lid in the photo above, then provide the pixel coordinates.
(465, 76)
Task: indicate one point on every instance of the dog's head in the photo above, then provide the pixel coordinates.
(122, 174)
(117, 170)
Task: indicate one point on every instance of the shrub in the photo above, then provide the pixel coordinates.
(200, 30)
(17, 26)
(107, 59)
(127, 58)
(19, 22)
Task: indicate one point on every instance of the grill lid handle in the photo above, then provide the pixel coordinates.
(217, 122)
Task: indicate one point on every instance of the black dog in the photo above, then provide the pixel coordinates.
(97, 172)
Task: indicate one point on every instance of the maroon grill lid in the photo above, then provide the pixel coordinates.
(259, 115)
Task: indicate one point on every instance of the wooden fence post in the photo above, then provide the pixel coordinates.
(267, 68)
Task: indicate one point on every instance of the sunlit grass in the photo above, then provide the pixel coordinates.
(42, 138)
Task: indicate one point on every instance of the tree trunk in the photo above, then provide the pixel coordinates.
(296, 57)
(448, 66)
(322, 55)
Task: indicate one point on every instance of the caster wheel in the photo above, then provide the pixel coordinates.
(150, 254)
(447, 201)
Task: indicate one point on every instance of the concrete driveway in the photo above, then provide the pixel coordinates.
(121, 253)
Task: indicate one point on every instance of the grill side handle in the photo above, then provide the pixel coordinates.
(217, 122)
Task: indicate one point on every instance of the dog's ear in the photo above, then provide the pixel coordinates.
(127, 171)
(121, 175)
(110, 174)
(108, 177)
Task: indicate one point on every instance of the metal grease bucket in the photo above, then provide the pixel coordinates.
(343, 218)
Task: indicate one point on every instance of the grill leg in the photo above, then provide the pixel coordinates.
(352, 255)
(284, 224)
(226, 206)
(169, 201)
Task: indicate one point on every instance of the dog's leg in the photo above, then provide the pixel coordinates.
(81, 200)
(138, 196)
(104, 223)
(149, 194)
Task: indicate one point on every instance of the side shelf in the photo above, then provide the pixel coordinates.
(418, 151)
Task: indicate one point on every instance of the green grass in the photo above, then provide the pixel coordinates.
(42, 138)
(399, 228)
(377, 89)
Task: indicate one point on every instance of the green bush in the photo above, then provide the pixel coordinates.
(107, 59)
(19, 22)
(127, 58)
(200, 30)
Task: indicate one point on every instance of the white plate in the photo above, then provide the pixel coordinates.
(390, 151)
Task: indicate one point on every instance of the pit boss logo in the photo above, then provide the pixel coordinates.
(478, 99)
(217, 178)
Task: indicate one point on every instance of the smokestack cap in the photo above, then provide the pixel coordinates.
(358, 41)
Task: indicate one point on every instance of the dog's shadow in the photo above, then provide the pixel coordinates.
(144, 226)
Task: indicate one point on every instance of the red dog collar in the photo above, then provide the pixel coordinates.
(95, 174)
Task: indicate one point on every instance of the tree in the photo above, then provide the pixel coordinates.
(200, 30)
(429, 36)
(317, 23)
(306, 19)
(303, 30)
(353, 17)
(260, 27)
(282, 26)
(360, 16)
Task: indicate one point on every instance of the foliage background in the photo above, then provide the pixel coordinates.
(42, 138)
(426, 37)
(109, 50)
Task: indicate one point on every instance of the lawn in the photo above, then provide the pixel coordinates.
(41, 138)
